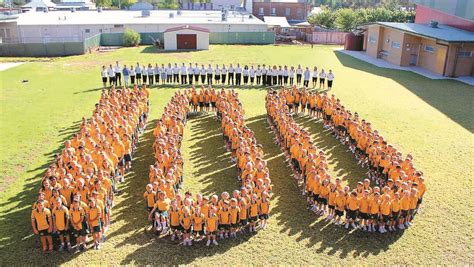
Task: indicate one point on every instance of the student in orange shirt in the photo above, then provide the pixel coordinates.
(212, 222)
(264, 210)
(352, 208)
(42, 225)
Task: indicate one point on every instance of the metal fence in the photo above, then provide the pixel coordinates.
(326, 37)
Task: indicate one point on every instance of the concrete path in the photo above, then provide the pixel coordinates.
(361, 55)
(8, 65)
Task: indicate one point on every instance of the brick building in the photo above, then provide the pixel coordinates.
(294, 10)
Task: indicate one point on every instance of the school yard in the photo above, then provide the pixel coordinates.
(432, 119)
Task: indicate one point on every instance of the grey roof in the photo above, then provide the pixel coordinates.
(443, 32)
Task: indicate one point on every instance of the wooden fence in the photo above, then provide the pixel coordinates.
(326, 37)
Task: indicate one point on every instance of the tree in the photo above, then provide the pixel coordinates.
(346, 19)
(131, 37)
(103, 3)
(325, 19)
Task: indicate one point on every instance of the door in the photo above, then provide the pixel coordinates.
(414, 50)
(186, 41)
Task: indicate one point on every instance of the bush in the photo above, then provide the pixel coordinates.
(346, 19)
(324, 19)
(131, 38)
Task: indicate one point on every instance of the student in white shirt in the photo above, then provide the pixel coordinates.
(245, 73)
(175, 73)
(299, 71)
(264, 75)
(223, 73)
(132, 75)
(231, 74)
(138, 71)
(280, 75)
(209, 74)
(126, 75)
(217, 74)
(196, 73)
(156, 71)
(274, 75)
(238, 75)
(184, 74)
(151, 77)
(118, 73)
(104, 75)
(269, 76)
(315, 76)
(258, 73)
(190, 73)
(292, 75)
(252, 75)
(144, 74)
(111, 73)
(163, 74)
(330, 79)
(307, 74)
(203, 74)
(169, 74)
(322, 79)
(285, 75)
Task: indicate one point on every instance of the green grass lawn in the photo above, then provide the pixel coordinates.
(432, 119)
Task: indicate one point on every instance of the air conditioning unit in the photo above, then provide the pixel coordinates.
(179, 12)
(145, 13)
(171, 15)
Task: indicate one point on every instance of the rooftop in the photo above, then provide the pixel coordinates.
(134, 17)
(276, 21)
(442, 33)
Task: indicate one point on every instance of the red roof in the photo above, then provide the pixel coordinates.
(186, 27)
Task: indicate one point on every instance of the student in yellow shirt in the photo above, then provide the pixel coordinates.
(212, 222)
(352, 208)
(253, 212)
(413, 204)
(224, 220)
(198, 221)
(374, 211)
(60, 215)
(331, 202)
(186, 223)
(340, 202)
(159, 213)
(405, 209)
(94, 215)
(385, 212)
(395, 207)
(174, 215)
(78, 215)
(41, 223)
(234, 217)
(364, 209)
(264, 210)
(243, 215)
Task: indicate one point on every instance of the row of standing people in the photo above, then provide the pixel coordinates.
(260, 75)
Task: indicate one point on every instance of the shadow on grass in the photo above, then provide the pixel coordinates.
(343, 163)
(289, 207)
(452, 98)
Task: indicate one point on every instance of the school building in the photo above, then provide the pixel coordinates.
(57, 33)
(440, 42)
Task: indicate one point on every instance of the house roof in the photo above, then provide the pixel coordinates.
(39, 3)
(186, 27)
(124, 17)
(276, 21)
(443, 32)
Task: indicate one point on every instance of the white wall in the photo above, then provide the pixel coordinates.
(202, 39)
(35, 33)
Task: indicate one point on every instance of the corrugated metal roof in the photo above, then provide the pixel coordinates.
(133, 17)
(443, 32)
(276, 21)
(187, 27)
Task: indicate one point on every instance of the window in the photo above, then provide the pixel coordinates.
(465, 53)
(299, 12)
(118, 26)
(372, 39)
(87, 30)
(273, 11)
(260, 11)
(429, 48)
(287, 11)
(395, 45)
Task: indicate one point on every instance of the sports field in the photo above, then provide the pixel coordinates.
(431, 119)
